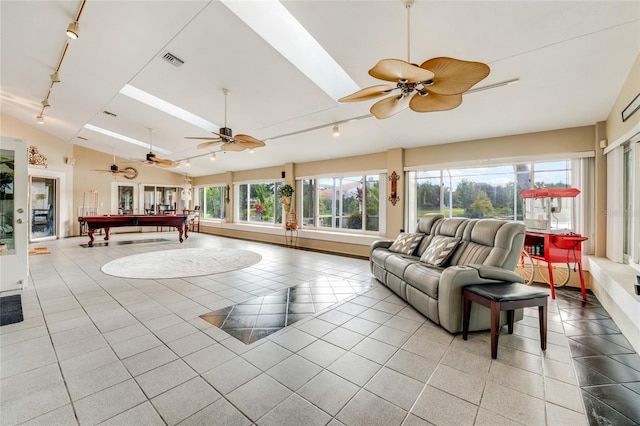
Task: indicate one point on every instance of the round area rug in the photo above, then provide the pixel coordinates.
(181, 263)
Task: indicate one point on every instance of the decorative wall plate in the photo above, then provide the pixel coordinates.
(130, 173)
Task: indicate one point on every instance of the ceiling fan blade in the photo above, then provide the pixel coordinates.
(368, 93)
(390, 106)
(204, 145)
(248, 141)
(230, 146)
(396, 69)
(454, 76)
(435, 102)
(165, 163)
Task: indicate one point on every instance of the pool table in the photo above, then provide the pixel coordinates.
(178, 221)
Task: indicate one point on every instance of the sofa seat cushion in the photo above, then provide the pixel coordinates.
(397, 264)
(406, 243)
(424, 278)
(440, 250)
(379, 256)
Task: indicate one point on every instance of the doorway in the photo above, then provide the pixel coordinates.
(44, 208)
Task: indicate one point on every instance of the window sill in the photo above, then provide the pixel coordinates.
(314, 234)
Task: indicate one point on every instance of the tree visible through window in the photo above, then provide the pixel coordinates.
(350, 202)
(485, 191)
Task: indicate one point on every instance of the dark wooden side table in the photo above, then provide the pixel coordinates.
(504, 297)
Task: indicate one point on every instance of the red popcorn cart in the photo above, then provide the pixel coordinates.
(550, 239)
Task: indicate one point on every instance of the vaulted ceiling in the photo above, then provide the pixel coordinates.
(570, 58)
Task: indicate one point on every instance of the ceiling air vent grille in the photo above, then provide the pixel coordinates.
(172, 59)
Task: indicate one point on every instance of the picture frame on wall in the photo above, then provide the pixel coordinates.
(631, 108)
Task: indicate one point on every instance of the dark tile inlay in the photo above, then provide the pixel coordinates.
(607, 367)
(620, 398)
(257, 318)
(600, 414)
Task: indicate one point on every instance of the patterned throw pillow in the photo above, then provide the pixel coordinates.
(440, 250)
(406, 243)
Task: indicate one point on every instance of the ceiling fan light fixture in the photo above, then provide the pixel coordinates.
(336, 131)
(40, 119)
(73, 30)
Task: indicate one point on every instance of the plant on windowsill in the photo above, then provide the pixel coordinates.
(286, 191)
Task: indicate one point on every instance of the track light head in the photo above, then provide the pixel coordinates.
(73, 30)
(45, 103)
(336, 130)
(40, 119)
(187, 163)
(55, 78)
(213, 157)
(251, 151)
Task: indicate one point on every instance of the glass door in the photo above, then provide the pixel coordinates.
(44, 208)
(14, 258)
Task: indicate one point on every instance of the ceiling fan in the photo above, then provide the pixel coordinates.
(152, 160)
(436, 85)
(225, 136)
(127, 172)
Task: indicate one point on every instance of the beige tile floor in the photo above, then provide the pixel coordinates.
(99, 349)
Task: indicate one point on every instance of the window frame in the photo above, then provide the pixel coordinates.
(381, 181)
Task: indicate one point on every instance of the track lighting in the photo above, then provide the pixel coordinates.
(251, 151)
(73, 30)
(45, 103)
(178, 165)
(213, 157)
(336, 130)
(55, 78)
(187, 163)
(40, 119)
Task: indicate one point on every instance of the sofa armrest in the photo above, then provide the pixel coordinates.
(497, 273)
(380, 244)
(454, 279)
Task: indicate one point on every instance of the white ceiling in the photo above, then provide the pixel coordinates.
(571, 59)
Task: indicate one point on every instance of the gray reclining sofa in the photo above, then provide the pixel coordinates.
(429, 268)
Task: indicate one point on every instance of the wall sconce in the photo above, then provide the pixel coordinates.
(393, 194)
(70, 161)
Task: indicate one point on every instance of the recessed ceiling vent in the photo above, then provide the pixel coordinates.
(84, 139)
(172, 59)
(109, 113)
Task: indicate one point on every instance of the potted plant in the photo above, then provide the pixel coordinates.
(286, 191)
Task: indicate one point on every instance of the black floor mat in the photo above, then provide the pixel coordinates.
(10, 309)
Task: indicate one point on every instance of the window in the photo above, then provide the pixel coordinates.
(631, 202)
(211, 200)
(348, 202)
(259, 203)
(487, 192)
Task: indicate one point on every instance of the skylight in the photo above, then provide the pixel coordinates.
(273, 22)
(123, 138)
(164, 106)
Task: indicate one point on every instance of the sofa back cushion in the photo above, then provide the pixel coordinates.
(490, 242)
(427, 225)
